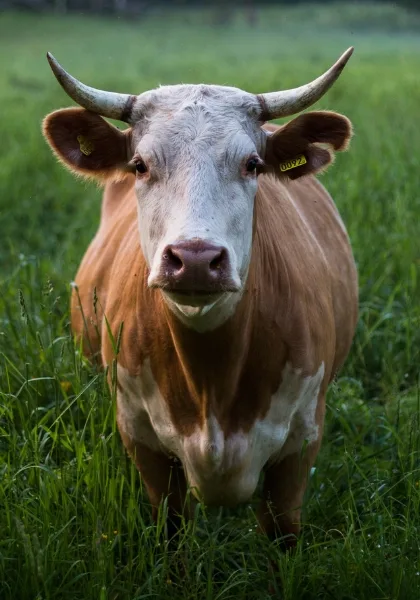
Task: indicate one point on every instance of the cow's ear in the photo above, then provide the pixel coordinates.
(306, 145)
(87, 144)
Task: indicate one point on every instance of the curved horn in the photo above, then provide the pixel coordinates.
(290, 102)
(107, 104)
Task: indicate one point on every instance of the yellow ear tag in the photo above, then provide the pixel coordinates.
(292, 164)
(86, 146)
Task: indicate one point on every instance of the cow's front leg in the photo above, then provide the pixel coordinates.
(284, 487)
(162, 478)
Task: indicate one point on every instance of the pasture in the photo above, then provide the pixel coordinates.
(74, 520)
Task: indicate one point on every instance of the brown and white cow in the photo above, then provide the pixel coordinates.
(233, 277)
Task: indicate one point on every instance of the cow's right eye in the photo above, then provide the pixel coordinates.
(141, 167)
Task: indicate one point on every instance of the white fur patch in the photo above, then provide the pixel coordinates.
(196, 141)
(223, 470)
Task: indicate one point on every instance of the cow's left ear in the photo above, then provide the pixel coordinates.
(296, 149)
(87, 144)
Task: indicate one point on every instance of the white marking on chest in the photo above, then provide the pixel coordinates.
(223, 470)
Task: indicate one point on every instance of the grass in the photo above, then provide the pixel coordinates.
(74, 520)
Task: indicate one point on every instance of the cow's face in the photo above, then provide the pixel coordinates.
(196, 154)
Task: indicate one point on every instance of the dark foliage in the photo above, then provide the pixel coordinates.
(143, 6)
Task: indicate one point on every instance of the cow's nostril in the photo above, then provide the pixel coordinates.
(172, 260)
(217, 262)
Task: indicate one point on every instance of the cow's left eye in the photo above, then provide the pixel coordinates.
(252, 164)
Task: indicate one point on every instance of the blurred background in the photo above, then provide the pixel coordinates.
(141, 7)
(58, 444)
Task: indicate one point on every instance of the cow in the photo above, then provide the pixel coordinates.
(220, 288)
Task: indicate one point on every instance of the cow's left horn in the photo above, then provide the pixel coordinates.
(290, 102)
(107, 104)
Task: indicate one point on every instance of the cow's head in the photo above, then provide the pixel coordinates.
(196, 152)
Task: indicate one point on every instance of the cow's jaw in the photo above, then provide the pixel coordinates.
(206, 315)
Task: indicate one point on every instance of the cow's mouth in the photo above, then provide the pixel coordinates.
(194, 298)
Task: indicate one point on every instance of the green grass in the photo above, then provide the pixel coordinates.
(74, 520)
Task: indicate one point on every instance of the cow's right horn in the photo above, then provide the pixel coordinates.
(107, 104)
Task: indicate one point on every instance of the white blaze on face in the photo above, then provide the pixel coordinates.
(223, 470)
(196, 141)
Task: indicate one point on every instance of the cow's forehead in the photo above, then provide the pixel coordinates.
(216, 99)
(183, 114)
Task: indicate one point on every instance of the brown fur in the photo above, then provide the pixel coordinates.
(111, 147)
(300, 305)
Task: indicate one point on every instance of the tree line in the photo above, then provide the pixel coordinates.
(138, 6)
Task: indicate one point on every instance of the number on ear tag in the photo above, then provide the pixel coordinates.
(293, 163)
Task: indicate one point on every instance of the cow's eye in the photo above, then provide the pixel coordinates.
(141, 167)
(252, 164)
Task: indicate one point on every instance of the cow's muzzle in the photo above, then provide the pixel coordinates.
(195, 269)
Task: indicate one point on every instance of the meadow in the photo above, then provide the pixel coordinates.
(74, 520)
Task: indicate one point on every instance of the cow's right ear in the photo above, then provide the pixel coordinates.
(87, 144)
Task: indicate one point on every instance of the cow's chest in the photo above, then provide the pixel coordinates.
(223, 469)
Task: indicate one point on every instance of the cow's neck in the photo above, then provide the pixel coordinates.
(212, 362)
(229, 373)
